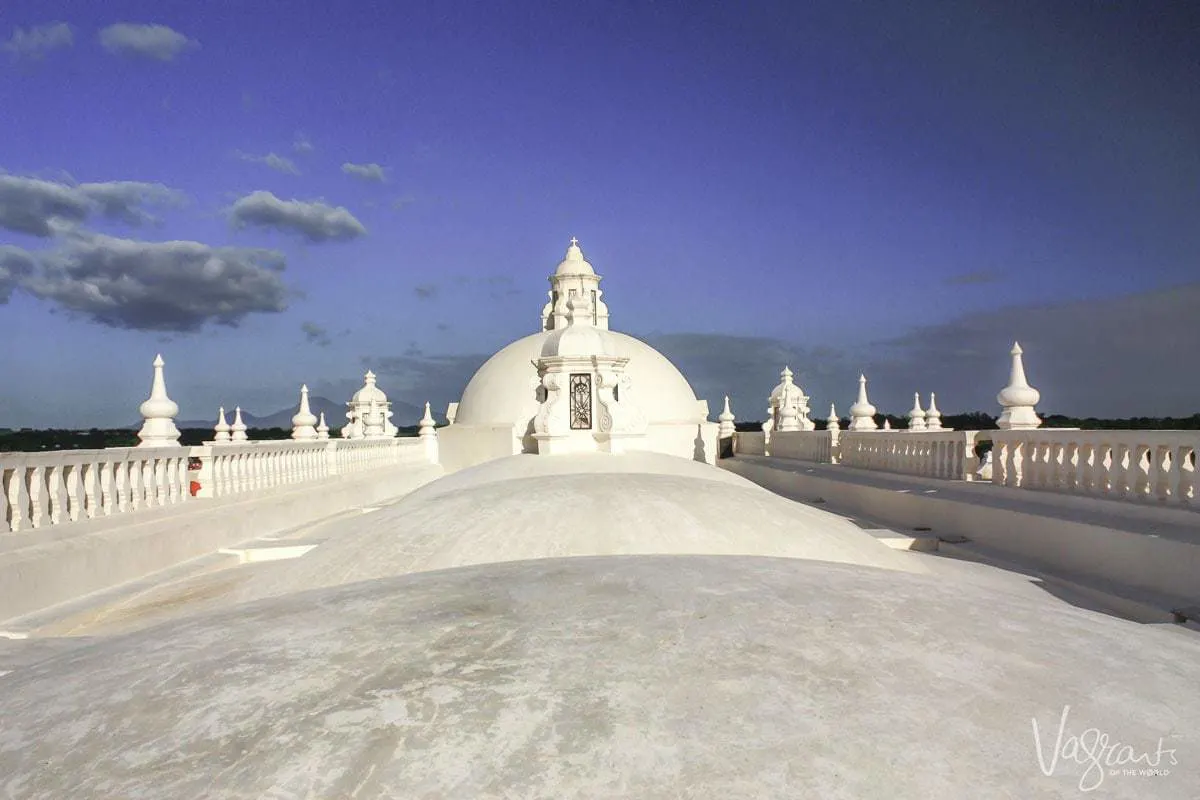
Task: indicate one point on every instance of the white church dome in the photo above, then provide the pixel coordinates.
(504, 390)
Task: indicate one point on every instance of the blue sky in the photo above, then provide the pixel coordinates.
(897, 188)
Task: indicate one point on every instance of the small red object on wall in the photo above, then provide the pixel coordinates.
(195, 487)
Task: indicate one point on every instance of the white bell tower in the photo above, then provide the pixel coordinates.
(574, 278)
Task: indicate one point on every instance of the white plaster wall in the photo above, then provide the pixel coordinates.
(681, 440)
(750, 443)
(461, 446)
(48, 568)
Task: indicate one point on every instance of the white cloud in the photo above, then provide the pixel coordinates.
(34, 43)
(155, 286)
(276, 162)
(43, 208)
(155, 42)
(302, 144)
(367, 172)
(315, 221)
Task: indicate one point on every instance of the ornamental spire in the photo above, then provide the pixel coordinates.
(221, 429)
(862, 413)
(304, 420)
(916, 417)
(159, 412)
(1018, 398)
(725, 420)
(238, 429)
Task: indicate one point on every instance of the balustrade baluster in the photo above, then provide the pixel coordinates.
(35, 480)
(1119, 470)
(1162, 483)
(1180, 474)
(122, 485)
(13, 480)
(54, 493)
(87, 479)
(105, 479)
(71, 482)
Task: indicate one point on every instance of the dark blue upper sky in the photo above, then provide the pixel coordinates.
(902, 188)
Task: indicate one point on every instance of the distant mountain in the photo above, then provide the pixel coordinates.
(404, 415)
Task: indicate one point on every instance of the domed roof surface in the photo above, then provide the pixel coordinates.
(537, 506)
(504, 390)
(777, 392)
(574, 263)
(620, 676)
(369, 391)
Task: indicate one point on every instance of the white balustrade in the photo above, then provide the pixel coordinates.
(818, 446)
(43, 489)
(1149, 466)
(932, 454)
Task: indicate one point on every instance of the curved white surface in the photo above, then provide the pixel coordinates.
(504, 390)
(639, 677)
(530, 507)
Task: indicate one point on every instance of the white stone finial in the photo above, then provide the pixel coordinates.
(725, 420)
(427, 425)
(887, 424)
(322, 428)
(221, 429)
(238, 428)
(916, 417)
(574, 242)
(862, 413)
(1018, 398)
(832, 423)
(159, 412)
(933, 417)
(304, 421)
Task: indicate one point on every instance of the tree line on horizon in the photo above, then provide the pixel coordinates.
(982, 421)
(31, 440)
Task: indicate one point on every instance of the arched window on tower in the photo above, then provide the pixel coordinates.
(595, 313)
